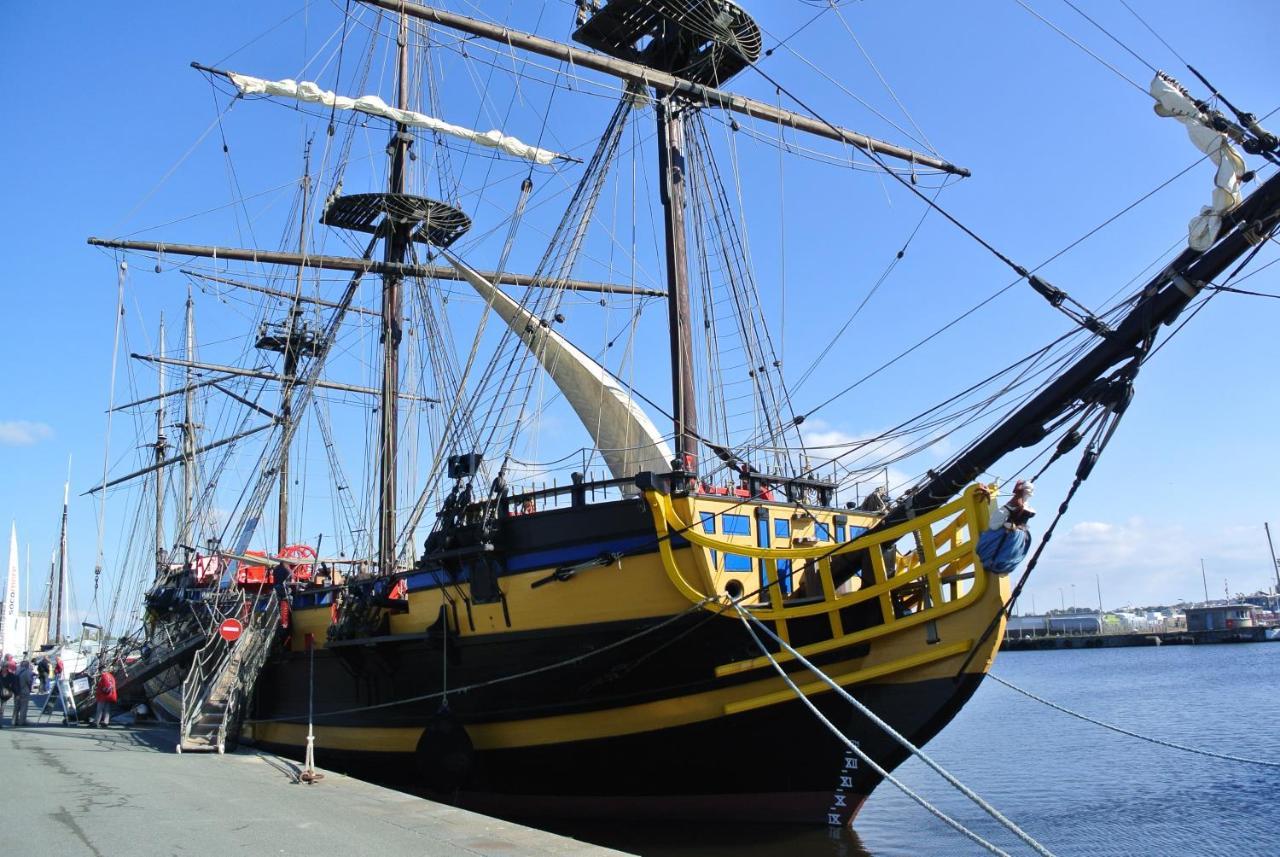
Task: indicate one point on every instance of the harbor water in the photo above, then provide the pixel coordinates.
(1077, 788)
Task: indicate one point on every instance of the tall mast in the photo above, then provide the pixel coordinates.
(161, 445)
(397, 242)
(188, 431)
(291, 353)
(672, 165)
(61, 592)
(1271, 551)
(50, 599)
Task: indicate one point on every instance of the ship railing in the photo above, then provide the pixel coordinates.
(914, 573)
(214, 659)
(586, 490)
(253, 654)
(205, 667)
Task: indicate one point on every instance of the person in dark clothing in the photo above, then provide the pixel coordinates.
(22, 697)
(280, 578)
(42, 669)
(8, 686)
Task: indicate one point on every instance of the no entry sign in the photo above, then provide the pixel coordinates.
(230, 629)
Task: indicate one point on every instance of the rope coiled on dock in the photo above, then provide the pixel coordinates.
(1009, 825)
(1130, 733)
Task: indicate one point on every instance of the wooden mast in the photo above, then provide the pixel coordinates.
(397, 242)
(188, 431)
(161, 445)
(291, 349)
(61, 593)
(672, 166)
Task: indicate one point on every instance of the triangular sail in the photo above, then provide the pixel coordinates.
(626, 437)
(9, 632)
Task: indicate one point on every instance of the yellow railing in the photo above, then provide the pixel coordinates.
(913, 587)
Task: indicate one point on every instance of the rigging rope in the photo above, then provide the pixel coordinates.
(853, 745)
(1130, 733)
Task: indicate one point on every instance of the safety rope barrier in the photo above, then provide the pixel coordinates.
(1130, 733)
(986, 807)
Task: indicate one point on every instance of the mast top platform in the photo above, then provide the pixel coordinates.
(437, 223)
(703, 41)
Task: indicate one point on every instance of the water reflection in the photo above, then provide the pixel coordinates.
(670, 839)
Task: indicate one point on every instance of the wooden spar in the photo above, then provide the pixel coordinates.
(277, 293)
(248, 403)
(195, 386)
(1164, 297)
(266, 376)
(177, 458)
(671, 162)
(662, 81)
(363, 266)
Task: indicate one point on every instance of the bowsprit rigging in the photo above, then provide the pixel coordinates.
(597, 622)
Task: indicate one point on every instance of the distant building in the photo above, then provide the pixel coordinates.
(1026, 626)
(1075, 623)
(1220, 617)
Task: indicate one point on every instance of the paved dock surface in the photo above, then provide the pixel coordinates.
(124, 791)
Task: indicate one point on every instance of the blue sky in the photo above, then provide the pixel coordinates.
(107, 108)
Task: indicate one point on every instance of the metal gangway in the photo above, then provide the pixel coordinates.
(223, 675)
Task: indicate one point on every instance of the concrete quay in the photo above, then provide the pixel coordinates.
(124, 791)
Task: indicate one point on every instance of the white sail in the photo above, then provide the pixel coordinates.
(9, 631)
(373, 105)
(624, 434)
(1173, 102)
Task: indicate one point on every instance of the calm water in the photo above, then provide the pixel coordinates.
(1078, 789)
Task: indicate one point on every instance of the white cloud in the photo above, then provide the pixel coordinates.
(23, 432)
(1144, 561)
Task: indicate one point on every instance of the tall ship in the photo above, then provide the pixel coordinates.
(429, 518)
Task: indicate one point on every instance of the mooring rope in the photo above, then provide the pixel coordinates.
(1130, 733)
(747, 621)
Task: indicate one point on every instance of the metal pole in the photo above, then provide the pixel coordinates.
(1205, 581)
(1275, 561)
(1097, 579)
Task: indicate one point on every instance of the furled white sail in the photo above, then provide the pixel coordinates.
(624, 434)
(1172, 101)
(9, 631)
(373, 105)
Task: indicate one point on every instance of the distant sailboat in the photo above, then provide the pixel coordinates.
(10, 633)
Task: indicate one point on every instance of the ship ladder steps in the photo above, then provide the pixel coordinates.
(223, 676)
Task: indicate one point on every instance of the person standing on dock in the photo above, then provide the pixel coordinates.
(8, 686)
(104, 693)
(22, 697)
(42, 669)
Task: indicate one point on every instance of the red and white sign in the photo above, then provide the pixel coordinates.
(230, 629)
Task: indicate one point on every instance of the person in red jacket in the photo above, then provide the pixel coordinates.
(104, 693)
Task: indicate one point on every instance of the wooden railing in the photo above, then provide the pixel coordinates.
(938, 574)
